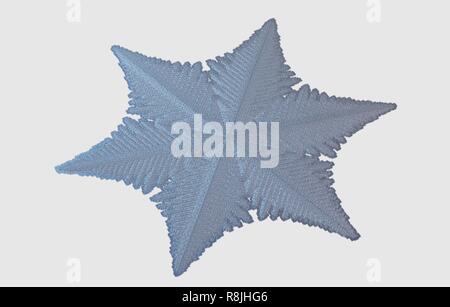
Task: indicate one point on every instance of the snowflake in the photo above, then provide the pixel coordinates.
(204, 197)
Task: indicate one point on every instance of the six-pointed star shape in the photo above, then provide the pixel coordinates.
(204, 197)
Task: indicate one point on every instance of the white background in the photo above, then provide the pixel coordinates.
(62, 92)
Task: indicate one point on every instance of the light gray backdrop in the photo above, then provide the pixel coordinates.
(62, 92)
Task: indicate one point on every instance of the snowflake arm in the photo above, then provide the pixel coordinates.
(299, 189)
(315, 123)
(253, 76)
(200, 204)
(137, 153)
(166, 92)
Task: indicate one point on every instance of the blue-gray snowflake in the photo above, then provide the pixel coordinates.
(202, 198)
